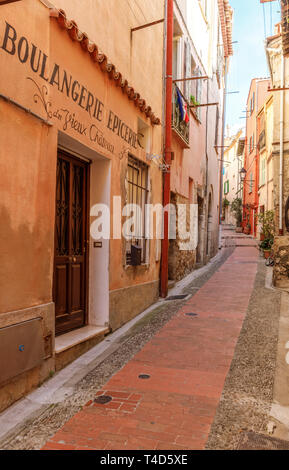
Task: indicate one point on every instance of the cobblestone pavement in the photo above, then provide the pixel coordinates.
(33, 433)
(248, 392)
(184, 366)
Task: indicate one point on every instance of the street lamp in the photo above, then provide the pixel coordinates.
(243, 173)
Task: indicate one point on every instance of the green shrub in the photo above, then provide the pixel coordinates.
(236, 208)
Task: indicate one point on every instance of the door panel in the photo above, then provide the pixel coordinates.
(61, 278)
(70, 285)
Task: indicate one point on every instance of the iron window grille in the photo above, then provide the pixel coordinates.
(137, 193)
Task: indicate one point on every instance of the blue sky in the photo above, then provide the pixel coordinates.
(249, 60)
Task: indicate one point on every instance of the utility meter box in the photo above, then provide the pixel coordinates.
(21, 348)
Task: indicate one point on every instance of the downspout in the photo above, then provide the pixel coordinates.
(281, 144)
(257, 160)
(168, 144)
(245, 166)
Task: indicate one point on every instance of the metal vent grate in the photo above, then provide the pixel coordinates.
(176, 297)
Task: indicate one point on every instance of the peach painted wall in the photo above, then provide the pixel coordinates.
(189, 163)
(29, 147)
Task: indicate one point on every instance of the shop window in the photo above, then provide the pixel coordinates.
(137, 194)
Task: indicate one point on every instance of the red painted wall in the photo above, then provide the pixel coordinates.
(258, 94)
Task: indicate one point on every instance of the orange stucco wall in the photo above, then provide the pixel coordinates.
(29, 146)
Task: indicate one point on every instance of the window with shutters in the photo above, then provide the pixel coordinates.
(187, 69)
(262, 172)
(217, 126)
(199, 86)
(251, 183)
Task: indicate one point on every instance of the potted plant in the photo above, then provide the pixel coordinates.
(193, 100)
(236, 209)
(225, 204)
(266, 222)
(266, 246)
(247, 229)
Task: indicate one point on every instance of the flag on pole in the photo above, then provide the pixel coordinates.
(187, 117)
(183, 109)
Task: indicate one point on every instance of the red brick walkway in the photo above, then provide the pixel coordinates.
(187, 361)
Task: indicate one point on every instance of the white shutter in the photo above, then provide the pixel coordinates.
(188, 69)
(199, 91)
(180, 60)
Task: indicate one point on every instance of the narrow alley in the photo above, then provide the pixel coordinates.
(198, 382)
(184, 367)
(144, 227)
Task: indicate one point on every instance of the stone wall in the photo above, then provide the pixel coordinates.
(281, 268)
(125, 304)
(181, 263)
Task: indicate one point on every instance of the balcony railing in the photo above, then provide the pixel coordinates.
(181, 128)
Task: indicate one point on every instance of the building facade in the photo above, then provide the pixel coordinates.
(232, 165)
(265, 158)
(82, 124)
(277, 53)
(257, 96)
(202, 45)
(81, 105)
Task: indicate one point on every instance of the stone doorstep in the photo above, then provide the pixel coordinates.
(79, 336)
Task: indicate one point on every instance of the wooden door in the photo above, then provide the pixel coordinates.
(71, 229)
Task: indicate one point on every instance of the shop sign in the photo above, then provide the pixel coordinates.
(28, 53)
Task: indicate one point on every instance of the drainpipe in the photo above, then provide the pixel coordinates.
(281, 144)
(168, 144)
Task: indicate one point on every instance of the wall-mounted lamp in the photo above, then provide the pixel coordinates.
(243, 173)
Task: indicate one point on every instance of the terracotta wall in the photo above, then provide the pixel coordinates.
(260, 89)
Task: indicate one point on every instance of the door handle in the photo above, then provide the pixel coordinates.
(72, 259)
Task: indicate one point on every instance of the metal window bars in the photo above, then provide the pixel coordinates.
(137, 194)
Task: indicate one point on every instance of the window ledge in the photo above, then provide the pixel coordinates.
(128, 267)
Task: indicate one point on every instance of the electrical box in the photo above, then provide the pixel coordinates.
(21, 348)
